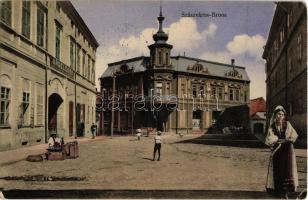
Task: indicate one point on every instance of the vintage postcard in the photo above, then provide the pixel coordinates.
(153, 99)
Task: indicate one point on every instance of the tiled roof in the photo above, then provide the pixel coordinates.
(137, 64)
(181, 64)
(257, 105)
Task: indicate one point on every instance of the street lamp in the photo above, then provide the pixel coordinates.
(102, 119)
(112, 107)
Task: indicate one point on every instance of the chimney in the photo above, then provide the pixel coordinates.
(232, 62)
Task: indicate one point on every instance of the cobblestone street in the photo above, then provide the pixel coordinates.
(124, 163)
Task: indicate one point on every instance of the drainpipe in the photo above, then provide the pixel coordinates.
(46, 102)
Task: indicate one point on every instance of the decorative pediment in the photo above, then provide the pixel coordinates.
(197, 67)
(233, 85)
(164, 78)
(234, 74)
(215, 83)
(124, 68)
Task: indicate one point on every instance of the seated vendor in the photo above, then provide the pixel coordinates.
(54, 143)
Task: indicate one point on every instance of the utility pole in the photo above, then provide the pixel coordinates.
(112, 107)
(132, 99)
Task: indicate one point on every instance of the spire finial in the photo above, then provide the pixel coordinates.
(160, 9)
(160, 36)
(160, 18)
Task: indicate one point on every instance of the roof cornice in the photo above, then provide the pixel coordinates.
(68, 8)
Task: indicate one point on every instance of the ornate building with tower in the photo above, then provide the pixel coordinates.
(170, 93)
(47, 72)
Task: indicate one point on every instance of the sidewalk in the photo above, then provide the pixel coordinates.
(15, 155)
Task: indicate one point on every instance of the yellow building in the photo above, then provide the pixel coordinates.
(47, 72)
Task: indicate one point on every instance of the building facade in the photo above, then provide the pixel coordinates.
(169, 93)
(257, 114)
(286, 64)
(47, 72)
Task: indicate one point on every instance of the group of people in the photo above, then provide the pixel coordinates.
(282, 177)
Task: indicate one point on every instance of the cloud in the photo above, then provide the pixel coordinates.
(183, 35)
(247, 51)
(252, 45)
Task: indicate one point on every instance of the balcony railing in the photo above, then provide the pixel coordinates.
(58, 65)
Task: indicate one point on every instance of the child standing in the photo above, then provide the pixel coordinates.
(157, 145)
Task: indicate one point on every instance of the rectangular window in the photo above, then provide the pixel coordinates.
(93, 71)
(282, 35)
(201, 91)
(72, 53)
(26, 10)
(83, 62)
(231, 95)
(167, 58)
(237, 95)
(245, 96)
(220, 93)
(39, 108)
(183, 89)
(89, 66)
(290, 16)
(4, 105)
(25, 104)
(6, 12)
(214, 92)
(58, 41)
(160, 58)
(194, 90)
(40, 26)
(159, 89)
(299, 46)
(78, 57)
(275, 48)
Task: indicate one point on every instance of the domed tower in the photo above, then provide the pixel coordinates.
(160, 50)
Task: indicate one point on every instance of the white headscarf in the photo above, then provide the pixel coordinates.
(277, 109)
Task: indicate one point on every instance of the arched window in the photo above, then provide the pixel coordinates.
(167, 58)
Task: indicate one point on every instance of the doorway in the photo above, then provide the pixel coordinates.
(71, 118)
(196, 121)
(54, 102)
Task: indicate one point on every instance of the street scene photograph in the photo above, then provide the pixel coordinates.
(153, 99)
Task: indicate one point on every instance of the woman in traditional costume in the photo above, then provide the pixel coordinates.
(282, 176)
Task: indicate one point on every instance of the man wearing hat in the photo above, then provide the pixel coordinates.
(157, 146)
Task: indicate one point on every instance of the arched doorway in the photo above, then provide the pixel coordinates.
(54, 102)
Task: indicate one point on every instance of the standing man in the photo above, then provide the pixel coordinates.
(157, 147)
(93, 130)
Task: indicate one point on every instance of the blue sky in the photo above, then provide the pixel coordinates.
(125, 28)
